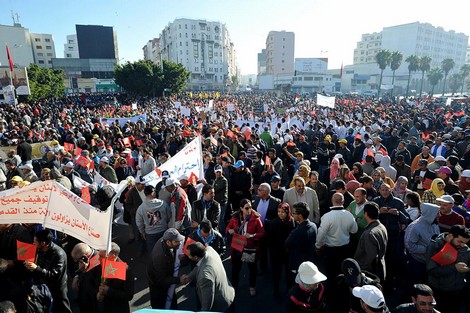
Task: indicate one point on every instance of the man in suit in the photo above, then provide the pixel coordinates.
(214, 291)
(301, 193)
(266, 205)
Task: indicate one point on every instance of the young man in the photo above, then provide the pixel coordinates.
(422, 301)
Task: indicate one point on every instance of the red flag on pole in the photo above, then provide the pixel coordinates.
(115, 270)
(10, 60)
(86, 195)
(25, 251)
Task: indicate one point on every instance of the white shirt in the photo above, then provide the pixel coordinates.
(335, 228)
(262, 208)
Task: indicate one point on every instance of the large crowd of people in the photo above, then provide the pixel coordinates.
(345, 207)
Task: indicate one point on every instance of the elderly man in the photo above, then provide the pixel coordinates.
(214, 291)
(107, 171)
(28, 173)
(334, 236)
(301, 193)
(448, 217)
(160, 270)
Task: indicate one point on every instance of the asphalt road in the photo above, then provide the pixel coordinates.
(263, 302)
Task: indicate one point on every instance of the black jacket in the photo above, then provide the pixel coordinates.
(212, 214)
(271, 213)
(52, 267)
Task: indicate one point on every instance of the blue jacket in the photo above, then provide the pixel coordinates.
(392, 222)
(418, 235)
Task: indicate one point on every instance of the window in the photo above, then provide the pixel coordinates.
(186, 35)
(70, 41)
(211, 51)
(70, 48)
(41, 61)
(49, 62)
(37, 39)
(186, 27)
(38, 47)
(68, 55)
(196, 49)
(49, 54)
(47, 40)
(48, 47)
(40, 54)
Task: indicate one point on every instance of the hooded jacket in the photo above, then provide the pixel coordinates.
(391, 172)
(418, 235)
(152, 217)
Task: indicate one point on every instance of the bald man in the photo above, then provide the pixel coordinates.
(334, 235)
(87, 281)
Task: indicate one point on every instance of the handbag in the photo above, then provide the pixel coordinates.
(249, 255)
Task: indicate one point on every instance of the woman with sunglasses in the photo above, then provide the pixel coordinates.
(245, 222)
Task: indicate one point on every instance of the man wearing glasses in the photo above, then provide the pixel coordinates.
(423, 301)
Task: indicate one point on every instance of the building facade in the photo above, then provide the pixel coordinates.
(151, 50)
(71, 47)
(280, 48)
(205, 49)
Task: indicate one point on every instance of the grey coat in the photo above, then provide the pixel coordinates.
(370, 252)
(290, 196)
(213, 288)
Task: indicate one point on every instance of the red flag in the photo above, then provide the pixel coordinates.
(86, 195)
(126, 142)
(267, 161)
(68, 146)
(447, 255)
(10, 60)
(114, 270)
(82, 161)
(138, 142)
(186, 133)
(247, 133)
(78, 151)
(231, 134)
(186, 244)
(238, 242)
(25, 251)
(193, 179)
(185, 122)
(94, 261)
(158, 171)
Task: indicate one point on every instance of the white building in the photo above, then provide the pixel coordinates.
(280, 47)
(420, 39)
(151, 50)
(18, 40)
(71, 47)
(204, 48)
(43, 49)
(311, 75)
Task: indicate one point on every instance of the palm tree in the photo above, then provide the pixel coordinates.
(413, 66)
(434, 76)
(424, 66)
(395, 61)
(455, 81)
(464, 71)
(446, 66)
(383, 59)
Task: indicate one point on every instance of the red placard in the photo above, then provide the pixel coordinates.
(68, 146)
(82, 161)
(447, 255)
(78, 151)
(238, 242)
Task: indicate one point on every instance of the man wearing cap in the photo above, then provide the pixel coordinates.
(448, 276)
(325, 152)
(464, 182)
(308, 295)
(162, 193)
(241, 183)
(401, 150)
(345, 152)
(450, 149)
(444, 173)
(447, 217)
(372, 299)
(68, 171)
(152, 218)
(28, 173)
(276, 190)
(179, 205)
(107, 171)
(161, 267)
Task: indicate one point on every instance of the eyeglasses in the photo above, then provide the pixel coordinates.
(422, 303)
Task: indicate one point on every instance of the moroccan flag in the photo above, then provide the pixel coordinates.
(10, 60)
(78, 151)
(25, 251)
(115, 270)
(82, 161)
(94, 262)
(186, 133)
(138, 142)
(186, 244)
(193, 179)
(231, 134)
(68, 146)
(86, 195)
(447, 255)
(238, 242)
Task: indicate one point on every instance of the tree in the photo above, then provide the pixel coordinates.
(446, 66)
(144, 78)
(395, 61)
(464, 71)
(45, 83)
(424, 66)
(413, 66)
(383, 59)
(455, 82)
(434, 76)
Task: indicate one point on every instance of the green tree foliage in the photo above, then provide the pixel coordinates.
(383, 59)
(395, 61)
(413, 66)
(455, 82)
(145, 78)
(424, 66)
(45, 83)
(446, 66)
(434, 76)
(464, 71)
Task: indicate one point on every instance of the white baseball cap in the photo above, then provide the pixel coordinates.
(371, 295)
(309, 274)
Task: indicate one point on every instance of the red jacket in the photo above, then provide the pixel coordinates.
(254, 226)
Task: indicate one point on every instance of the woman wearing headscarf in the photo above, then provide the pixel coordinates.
(245, 222)
(357, 170)
(436, 191)
(332, 172)
(387, 179)
(400, 190)
(377, 177)
(277, 233)
(304, 172)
